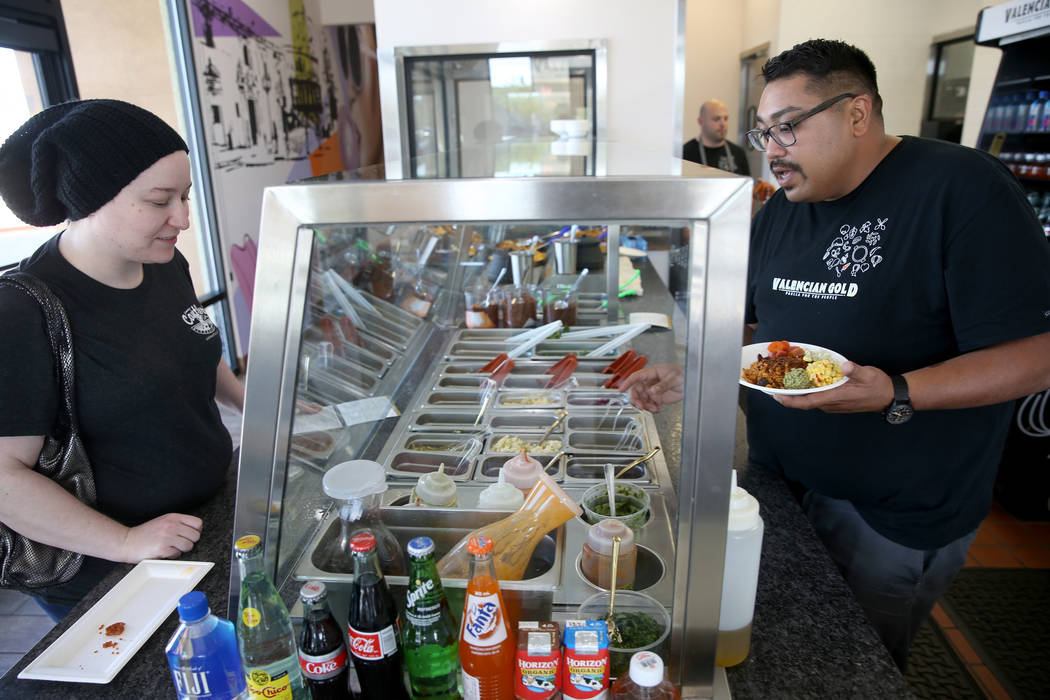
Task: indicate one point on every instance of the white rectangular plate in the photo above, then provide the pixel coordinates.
(142, 600)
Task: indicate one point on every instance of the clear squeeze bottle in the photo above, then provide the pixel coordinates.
(360, 484)
(740, 580)
(644, 681)
(203, 654)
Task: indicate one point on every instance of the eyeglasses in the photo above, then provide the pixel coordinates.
(784, 132)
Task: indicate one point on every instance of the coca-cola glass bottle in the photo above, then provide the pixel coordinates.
(429, 632)
(322, 653)
(372, 625)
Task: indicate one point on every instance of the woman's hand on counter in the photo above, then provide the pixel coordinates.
(653, 387)
(164, 537)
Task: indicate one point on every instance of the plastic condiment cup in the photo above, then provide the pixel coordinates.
(630, 603)
(629, 493)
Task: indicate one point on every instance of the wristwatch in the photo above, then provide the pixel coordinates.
(900, 409)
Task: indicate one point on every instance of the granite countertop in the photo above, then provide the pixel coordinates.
(809, 637)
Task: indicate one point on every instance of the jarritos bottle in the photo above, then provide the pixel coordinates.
(322, 653)
(429, 632)
(486, 648)
(265, 637)
(371, 627)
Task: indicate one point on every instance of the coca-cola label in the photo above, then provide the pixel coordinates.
(372, 646)
(483, 624)
(323, 667)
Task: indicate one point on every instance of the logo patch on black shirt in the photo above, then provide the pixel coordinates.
(197, 319)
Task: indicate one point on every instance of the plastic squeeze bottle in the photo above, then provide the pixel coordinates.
(436, 489)
(740, 580)
(644, 681)
(500, 495)
(596, 558)
(522, 471)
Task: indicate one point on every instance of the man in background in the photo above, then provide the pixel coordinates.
(713, 148)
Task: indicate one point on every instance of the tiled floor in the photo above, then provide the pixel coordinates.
(1003, 541)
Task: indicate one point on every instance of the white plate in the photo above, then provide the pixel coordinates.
(750, 353)
(142, 600)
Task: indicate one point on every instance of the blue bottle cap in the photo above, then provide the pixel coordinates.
(420, 546)
(193, 606)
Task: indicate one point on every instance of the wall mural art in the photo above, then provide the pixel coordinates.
(282, 98)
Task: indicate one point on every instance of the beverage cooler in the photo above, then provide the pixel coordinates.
(380, 316)
(1016, 128)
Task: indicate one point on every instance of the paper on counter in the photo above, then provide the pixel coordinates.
(653, 319)
(367, 410)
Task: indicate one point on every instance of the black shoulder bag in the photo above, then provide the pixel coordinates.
(24, 563)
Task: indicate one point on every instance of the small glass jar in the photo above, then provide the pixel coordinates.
(559, 304)
(519, 306)
(482, 307)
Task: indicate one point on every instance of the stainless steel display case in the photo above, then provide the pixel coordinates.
(421, 368)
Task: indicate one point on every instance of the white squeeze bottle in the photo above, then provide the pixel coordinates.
(740, 579)
(501, 495)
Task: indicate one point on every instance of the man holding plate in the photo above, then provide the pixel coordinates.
(921, 262)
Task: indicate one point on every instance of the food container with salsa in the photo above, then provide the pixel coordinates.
(632, 505)
(559, 304)
(643, 622)
(482, 307)
(519, 306)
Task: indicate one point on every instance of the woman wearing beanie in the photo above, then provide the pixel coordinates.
(147, 358)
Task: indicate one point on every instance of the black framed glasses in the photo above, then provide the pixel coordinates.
(784, 132)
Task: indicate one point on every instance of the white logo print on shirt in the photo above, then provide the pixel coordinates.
(197, 319)
(856, 250)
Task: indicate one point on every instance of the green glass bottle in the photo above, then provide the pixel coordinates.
(429, 632)
(265, 637)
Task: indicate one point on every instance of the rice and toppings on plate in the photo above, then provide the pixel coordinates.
(790, 367)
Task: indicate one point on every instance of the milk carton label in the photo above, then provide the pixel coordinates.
(370, 646)
(483, 621)
(585, 674)
(537, 677)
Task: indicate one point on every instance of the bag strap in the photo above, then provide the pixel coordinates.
(59, 335)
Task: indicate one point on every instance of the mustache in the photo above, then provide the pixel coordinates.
(785, 164)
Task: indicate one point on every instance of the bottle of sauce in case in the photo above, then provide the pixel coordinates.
(203, 654)
(322, 653)
(596, 558)
(360, 484)
(265, 636)
(436, 490)
(372, 626)
(429, 632)
(486, 648)
(537, 672)
(500, 495)
(644, 681)
(522, 471)
(740, 581)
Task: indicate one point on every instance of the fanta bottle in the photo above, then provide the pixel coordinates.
(486, 648)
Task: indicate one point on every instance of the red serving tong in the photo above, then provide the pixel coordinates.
(561, 371)
(636, 364)
(617, 364)
(501, 371)
(493, 363)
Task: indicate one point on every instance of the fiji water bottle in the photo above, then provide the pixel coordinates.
(203, 654)
(1035, 111)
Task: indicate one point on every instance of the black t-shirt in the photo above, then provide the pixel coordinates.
(145, 364)
(935, 254)
(718, 157)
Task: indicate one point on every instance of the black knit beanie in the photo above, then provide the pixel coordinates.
(70, 159)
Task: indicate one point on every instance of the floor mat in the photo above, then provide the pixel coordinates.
(1005, 614)
(934, 670)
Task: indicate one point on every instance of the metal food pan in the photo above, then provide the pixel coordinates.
(489, 465)
(354, 359)
(555, 348)
(463, 444)
(524, 420)
(610, 422)
(446, 399)
(591, 468)
(447, 421)
(477, 349)
(461, 381)
(609, 399)
(531, 438)
(607, 442)
(412, 465)
(552, 398)
(490, 335)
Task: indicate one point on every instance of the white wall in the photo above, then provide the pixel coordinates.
(640, 40)
(714, 35)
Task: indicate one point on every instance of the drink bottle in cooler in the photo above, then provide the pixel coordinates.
(429, 632)
(203, 654)
(322, 653)
(264, 630)
(486, 648)
(372, 625)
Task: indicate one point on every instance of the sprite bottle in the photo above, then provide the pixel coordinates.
(429, 632)
(265, 637)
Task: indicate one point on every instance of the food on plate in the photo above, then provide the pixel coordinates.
(513, 443)
(117, 628)
(797, 378)
(785, 365)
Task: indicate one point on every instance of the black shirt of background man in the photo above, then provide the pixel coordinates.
(717, 158)
(935, 254)
(145, 369)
